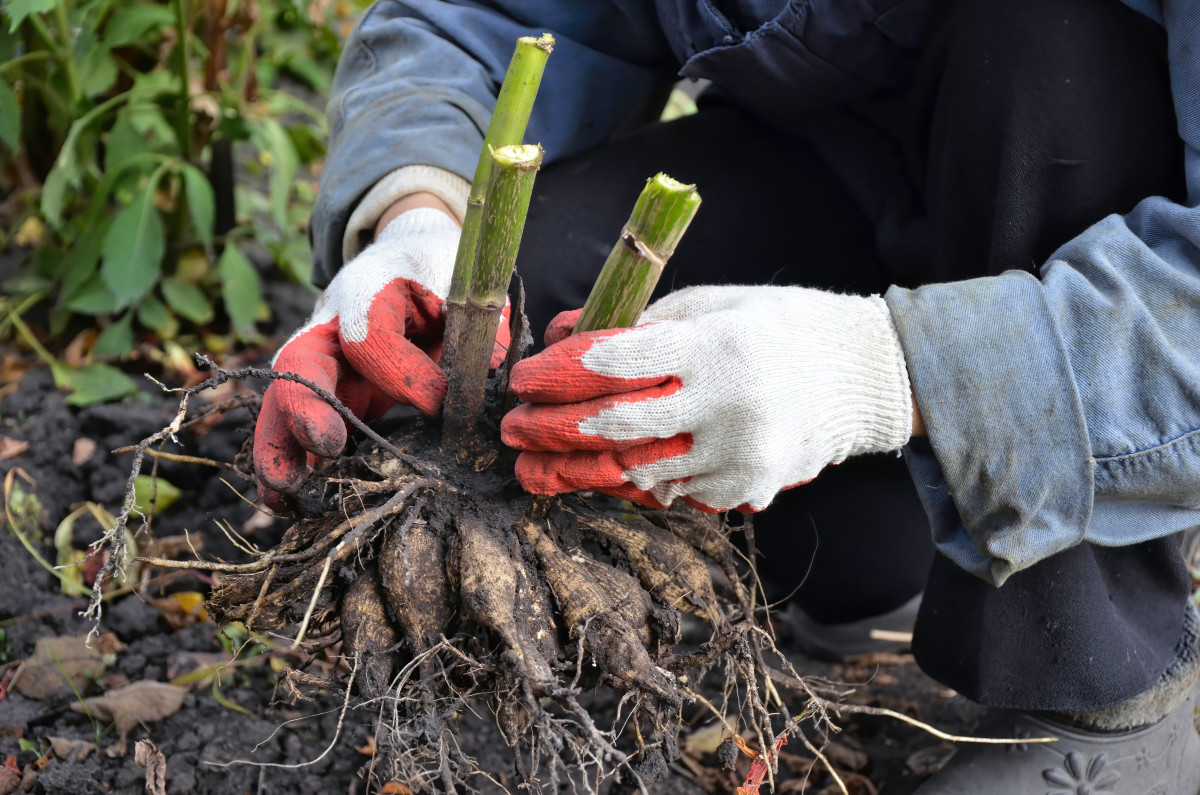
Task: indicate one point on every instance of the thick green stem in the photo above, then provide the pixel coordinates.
(514, 104)
(471, 325)
(658, 221)
(67, 53)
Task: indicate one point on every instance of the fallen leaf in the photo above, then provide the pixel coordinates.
(368, 748)
(174, 547)
(856, 784)
(71, 750)
(181, 609)
(394, 788)
(182, 663)
(259, 521)
(58, 667)
(140, 702)
(9, 780)
(83, 450)
(930, 760)
(11, 730)
(844, 757)
(705, 739)
(797, 765)
(77, 351)
(146, 754)
(11, 448)
(30, 233)
(108, 643)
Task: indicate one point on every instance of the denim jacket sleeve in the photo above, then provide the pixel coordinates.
(417, 81)
(1067, 409)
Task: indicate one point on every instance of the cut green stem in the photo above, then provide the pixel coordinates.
(514, 104)
(471, 325)
(630, 273)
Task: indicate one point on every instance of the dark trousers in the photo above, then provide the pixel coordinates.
(1025, 123)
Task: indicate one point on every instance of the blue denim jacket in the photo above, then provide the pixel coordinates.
(1061, 409)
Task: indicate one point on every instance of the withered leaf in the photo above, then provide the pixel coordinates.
(71, 750)
(56, 666)
(140, 702)
(146, 754)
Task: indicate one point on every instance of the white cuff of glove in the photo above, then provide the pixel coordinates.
(447, 186)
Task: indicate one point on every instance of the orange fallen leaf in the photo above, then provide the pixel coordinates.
(394, 788)
(368, 748)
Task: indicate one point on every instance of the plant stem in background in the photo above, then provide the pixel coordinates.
(630, 273)
(514, 104)
(507, 202)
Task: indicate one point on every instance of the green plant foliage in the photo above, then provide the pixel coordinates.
(116, 110)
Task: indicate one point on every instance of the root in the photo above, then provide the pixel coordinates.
(459, 598)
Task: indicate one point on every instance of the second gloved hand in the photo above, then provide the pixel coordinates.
(722, 395)
(374, 339)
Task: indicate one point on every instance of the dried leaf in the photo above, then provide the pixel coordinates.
(705, 739)
(11, 448)
(58, 667)
(394, 788)
(71, 750)
(930, 760)
(844, 757)
(856, 784)
(259, 521)
(140, 702)
(9, 780)
(147, 755)
(83, 450)
(182, 609)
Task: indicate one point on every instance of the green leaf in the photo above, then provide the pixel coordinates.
(273, 139)
(124, 141)
(79, 265)
(154, 315)
(95, 383)
(134, 23)
(92, 298)
(146, 490)
(239, 288)
(116, 340)
(134, 248)
(17, 10)
(97, 69)
(67, 168)
(188, 300)
(10, 117)
(202, 203)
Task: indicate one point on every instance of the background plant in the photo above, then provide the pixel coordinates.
(150, 149)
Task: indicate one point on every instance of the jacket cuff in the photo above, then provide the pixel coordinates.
(1005, 422)
(447, 186)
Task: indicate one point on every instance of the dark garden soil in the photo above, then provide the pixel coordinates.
(245, 734)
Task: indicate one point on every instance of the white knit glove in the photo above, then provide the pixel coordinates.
(374, 339)
(723, 396)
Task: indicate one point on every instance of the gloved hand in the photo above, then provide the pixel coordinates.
(723, 396)
(374, 339)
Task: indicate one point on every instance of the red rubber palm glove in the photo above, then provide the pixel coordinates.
(373, 340)
(723, 396)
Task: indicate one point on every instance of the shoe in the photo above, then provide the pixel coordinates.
(1160, 759)
(1146, 745)
(836, 642)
